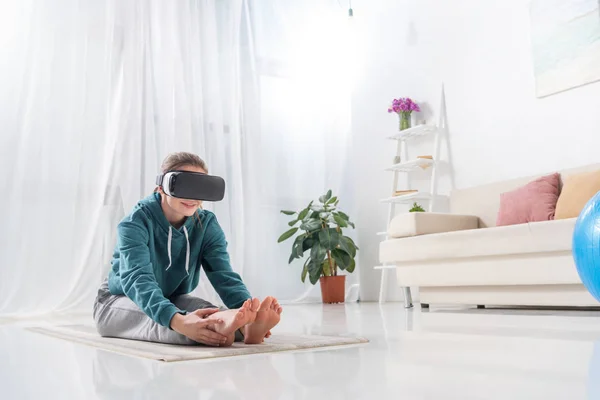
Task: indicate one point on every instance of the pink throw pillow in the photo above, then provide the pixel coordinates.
(533, 202)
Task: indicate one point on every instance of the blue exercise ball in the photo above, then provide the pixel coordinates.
(586, 246)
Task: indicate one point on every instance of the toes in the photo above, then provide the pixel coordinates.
(279, 310)
(266, 304)
(275, 305)
(247, 304)
(255, 304)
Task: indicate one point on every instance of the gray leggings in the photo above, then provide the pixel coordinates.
(118, 316)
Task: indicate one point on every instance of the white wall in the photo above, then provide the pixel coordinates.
(498, 129)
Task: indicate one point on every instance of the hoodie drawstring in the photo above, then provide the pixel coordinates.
(169, 246)
(187, 249)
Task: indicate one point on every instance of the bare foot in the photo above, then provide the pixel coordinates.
(235, 319)
(279, 310)
(267, 317)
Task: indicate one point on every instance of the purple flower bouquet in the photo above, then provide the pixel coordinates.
(404, 106)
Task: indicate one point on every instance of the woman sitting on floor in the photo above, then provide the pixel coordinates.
(160, 248)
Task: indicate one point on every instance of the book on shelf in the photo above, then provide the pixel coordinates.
(404, 192)
(425, 158)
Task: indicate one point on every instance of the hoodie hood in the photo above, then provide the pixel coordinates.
(151, 205)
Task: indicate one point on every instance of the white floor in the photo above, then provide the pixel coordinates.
(471, 354)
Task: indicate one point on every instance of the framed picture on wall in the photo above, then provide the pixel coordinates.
(565, 37)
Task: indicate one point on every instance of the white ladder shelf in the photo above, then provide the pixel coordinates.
(403, 165)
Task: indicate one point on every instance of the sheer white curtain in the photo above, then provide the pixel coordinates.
(61, 86)
(94, 94)
(298, 133)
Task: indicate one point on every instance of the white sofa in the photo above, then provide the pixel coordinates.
(463, 258)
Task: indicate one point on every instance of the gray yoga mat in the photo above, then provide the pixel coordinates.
(86, 334)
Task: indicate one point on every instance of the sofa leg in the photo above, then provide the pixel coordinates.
(480, 307)
(424, 305)
(407, 298)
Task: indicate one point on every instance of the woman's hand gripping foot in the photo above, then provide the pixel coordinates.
(232, 320)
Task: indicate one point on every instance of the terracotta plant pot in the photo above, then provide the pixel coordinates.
(333, 289)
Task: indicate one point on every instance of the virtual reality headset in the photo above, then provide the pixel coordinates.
(192, 185)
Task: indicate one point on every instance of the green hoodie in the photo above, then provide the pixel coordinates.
(154, 261)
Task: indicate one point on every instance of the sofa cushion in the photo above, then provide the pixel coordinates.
(423, 223)
(533, 202)
(576, 192)
(534, 237)
(484, 200)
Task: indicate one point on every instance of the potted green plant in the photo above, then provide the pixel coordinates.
(416, 208)
(320, 226)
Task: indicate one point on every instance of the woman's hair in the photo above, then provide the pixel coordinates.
(174, 161)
